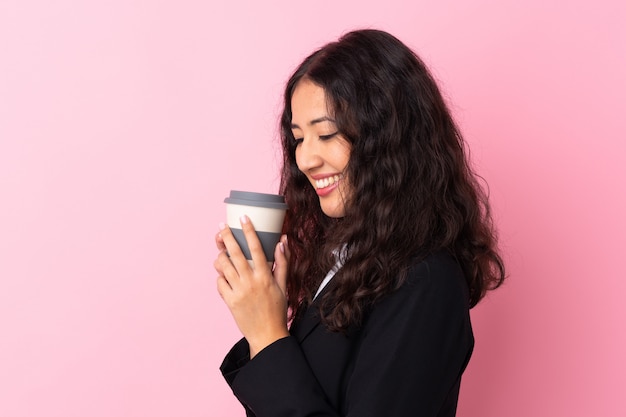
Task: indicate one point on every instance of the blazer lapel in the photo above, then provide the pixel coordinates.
(301, 328)
(304, 326)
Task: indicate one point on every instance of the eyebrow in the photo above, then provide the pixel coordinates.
(314, 121)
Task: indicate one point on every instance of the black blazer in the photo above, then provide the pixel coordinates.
(405, 360)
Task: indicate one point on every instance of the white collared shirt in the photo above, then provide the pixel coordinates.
(340, 255)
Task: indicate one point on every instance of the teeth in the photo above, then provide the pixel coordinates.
(325, 182)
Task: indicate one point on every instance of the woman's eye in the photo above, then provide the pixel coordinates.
(298, 140)
(329, 136)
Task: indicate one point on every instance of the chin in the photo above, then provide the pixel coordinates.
(334, 212)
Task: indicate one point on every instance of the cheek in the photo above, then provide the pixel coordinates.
(342, 162)
(343, 151)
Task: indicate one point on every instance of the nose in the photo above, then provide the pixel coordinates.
(307, 155)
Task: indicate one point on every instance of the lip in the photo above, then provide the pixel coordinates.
(322, 176)
(322, 192)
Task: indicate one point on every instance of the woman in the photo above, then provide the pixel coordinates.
(388, 243)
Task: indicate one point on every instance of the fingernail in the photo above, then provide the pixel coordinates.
(281, 246)
(222, 226)
(244, 219)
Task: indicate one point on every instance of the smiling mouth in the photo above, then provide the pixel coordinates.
(328, 181)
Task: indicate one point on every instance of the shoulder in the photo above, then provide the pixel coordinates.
(437, 272)
(433, 286)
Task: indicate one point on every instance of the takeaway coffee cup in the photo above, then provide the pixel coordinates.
(265, 211)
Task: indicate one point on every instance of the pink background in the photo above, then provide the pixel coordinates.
(123, 124)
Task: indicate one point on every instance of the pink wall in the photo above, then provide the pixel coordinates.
(122, 124)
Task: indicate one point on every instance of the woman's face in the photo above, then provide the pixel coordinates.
(322, 153)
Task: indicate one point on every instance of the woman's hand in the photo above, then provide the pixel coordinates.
(255, 295)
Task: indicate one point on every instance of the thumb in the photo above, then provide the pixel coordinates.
(281, 263)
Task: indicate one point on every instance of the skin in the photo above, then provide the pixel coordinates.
(255, 295)
(321, 152)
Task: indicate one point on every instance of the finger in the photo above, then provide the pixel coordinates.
(226, 269)
(221, 262)
(237, 257)
(280, 266)
(223, 288)
(285, 243)
(254, 244)
(219, 241)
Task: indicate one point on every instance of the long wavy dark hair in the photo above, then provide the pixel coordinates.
(412, 190)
